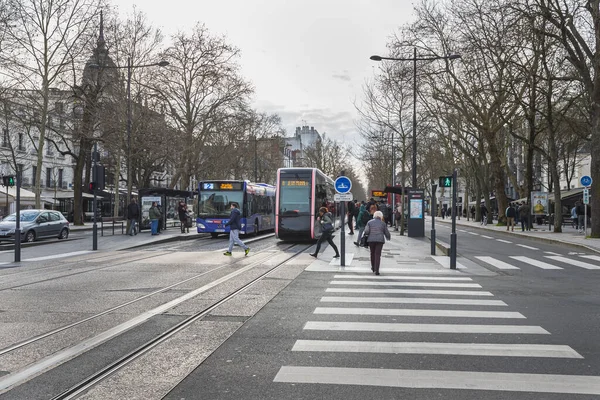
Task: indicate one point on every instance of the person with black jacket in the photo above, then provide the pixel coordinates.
(133, 215)
(350, 215)
(325, 218)
(235, 224)
(182, 212)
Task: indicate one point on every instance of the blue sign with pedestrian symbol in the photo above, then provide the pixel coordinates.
(343, 184)
(586, 180)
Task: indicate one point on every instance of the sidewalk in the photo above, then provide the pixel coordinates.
(120, 241)
(538, 232)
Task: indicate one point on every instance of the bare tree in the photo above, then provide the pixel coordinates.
(46, 37)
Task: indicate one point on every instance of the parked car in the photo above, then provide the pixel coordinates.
(35, 224)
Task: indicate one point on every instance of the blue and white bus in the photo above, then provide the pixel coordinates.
(256, 201)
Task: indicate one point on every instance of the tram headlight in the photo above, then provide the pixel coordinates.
(201, 226)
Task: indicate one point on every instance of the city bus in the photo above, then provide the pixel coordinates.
(256, 202)
(300, 194)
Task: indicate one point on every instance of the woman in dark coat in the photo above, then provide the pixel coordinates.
(183, 215)
(325, 218)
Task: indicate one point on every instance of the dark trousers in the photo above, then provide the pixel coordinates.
(525, 223)
(350, 226)
(324, 237)
(375, 248)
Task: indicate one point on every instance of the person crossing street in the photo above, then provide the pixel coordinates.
(234, 230)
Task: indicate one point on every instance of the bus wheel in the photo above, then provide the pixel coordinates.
(255, 228)
(214, 234)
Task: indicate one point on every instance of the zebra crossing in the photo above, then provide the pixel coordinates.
(552, 261)
(357, 305)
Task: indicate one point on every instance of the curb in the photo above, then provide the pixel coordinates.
(534, 238)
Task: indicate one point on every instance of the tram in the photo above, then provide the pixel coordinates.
(256, 202)
(300, 194)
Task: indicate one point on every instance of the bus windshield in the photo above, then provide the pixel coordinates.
(218, 203)
(294, 196)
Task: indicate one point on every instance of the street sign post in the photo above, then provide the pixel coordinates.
(343, 184)
(586, 196)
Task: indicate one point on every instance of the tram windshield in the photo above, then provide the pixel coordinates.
(218, 203)
(294, 196)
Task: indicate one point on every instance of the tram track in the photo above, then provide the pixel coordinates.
(92, 380)
(31, 371)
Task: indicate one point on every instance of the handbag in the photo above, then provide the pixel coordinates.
(364, 241)
(328, 227)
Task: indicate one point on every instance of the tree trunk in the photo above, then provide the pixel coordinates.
(595, 163)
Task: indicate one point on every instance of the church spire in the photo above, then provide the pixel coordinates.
(101, 42)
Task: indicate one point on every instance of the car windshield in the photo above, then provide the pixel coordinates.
(25, 216)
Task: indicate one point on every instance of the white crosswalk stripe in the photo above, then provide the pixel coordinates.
(396, 283)
(413, 278)
(595, 258)
(445, 262)
(534, 262)
(417, 312)
(526, 247)
(412, 291)
(412, 300)
(576, 263)
(470, 349)
(496, 263)
(504, 241)
(423, 328)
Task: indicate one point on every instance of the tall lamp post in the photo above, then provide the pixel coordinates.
(414, 59)
(130, 67)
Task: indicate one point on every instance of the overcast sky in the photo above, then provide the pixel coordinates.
(307, 59)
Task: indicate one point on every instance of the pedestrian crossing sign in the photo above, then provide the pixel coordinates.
(445, 181)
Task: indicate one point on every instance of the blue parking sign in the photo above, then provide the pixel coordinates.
(343, 184)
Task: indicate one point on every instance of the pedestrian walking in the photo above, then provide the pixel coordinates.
(574, 219)
(484, 214)
(377, 231)
(524, 216)
(510, 217)
(234, 224)
(361, 222)
(326, 221)
(350, 215)
(133, 215)
(154, 215)
(160, 219)
(182, 212)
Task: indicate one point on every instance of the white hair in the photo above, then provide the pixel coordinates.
(378, 214)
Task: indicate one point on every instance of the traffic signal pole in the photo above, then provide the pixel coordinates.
(453, 234)
(18, 219)
(433, 205)
(94, 208)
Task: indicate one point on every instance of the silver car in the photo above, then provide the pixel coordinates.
(35, 224)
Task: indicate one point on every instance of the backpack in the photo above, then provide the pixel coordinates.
(365, 218)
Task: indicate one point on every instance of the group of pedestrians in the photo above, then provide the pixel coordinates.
(578, 214)
(372, 225)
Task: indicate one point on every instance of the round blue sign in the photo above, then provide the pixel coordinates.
(343, 184)
(586, 180)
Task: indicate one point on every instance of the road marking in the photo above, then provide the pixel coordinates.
(434, 270)
(463, 349)
(412, 291)
(535, 263)
(503, 241)
(415, 278)
(74, 253)
(576, 263)
(526, 247)
(551, 253)
(418, 284)
(595, 258)
(496, 263)
(412, 300)
(405, 312)
(445, 262)
(473, 233)
(431, 379)
(486, 237)
(423, 328)
(463, 231)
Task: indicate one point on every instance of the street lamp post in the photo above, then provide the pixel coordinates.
(414, 59)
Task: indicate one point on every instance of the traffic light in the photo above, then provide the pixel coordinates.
(98, 174)
(92, 186)
(446, 181)
(8, 180)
